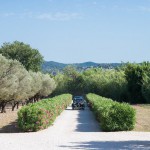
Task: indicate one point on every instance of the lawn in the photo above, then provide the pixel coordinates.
(142, 117)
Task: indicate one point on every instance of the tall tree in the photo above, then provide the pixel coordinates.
(29, 57)
(135, 74)
(74, 80)
(146, 87)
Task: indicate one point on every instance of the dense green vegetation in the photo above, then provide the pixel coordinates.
(21, 82)
(30, 58)
(108, 83)
(70, 81)
(129, 83)
(137, 76)
(17, 85)
(113, 116)
(146, 87)
(40, 115)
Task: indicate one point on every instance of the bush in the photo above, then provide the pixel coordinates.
(40, 115)
(113, 116)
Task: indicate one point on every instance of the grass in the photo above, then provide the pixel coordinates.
(142, 117)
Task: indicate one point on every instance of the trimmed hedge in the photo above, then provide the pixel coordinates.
(42, 114)
(113, 116)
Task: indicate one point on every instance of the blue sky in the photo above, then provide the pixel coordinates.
(71, 31)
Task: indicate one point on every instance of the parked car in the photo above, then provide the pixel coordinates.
(78, 103)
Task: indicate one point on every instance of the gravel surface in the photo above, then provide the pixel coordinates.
(75, 129)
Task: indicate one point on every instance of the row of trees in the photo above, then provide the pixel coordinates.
(20, 79)
(19, 85)
(107, 83)
(130, 83)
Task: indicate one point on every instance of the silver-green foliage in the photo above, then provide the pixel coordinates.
(17, 84)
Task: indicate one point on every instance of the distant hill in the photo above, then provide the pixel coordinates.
(51, 66)
(86, 64)
(48, 65)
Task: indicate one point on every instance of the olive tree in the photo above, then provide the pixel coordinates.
(18, 85)
(24, 87)
(9, 81)
(48, 85)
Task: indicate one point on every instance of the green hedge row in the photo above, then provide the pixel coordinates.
(42, 114)
(113, 116)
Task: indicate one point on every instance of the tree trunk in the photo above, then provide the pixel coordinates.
(13, 106)
(17, 105)
(3, 105)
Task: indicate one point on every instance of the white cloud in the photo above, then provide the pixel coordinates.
(26, 15)
(59, 16)
(8, 14)
(18, 15)
(143, 9)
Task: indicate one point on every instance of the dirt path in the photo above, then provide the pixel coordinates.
(8, 121)
(75, 129)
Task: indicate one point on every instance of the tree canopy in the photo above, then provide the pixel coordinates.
(29, 57)
(136, 76)
(17, 84)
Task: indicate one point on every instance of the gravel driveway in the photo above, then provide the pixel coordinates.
(75, 129)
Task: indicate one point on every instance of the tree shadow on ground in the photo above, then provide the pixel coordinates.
(10, 128)
(87, 122)
(109, 145)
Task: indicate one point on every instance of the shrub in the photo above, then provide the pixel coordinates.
(40, 115)
(113, 116)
